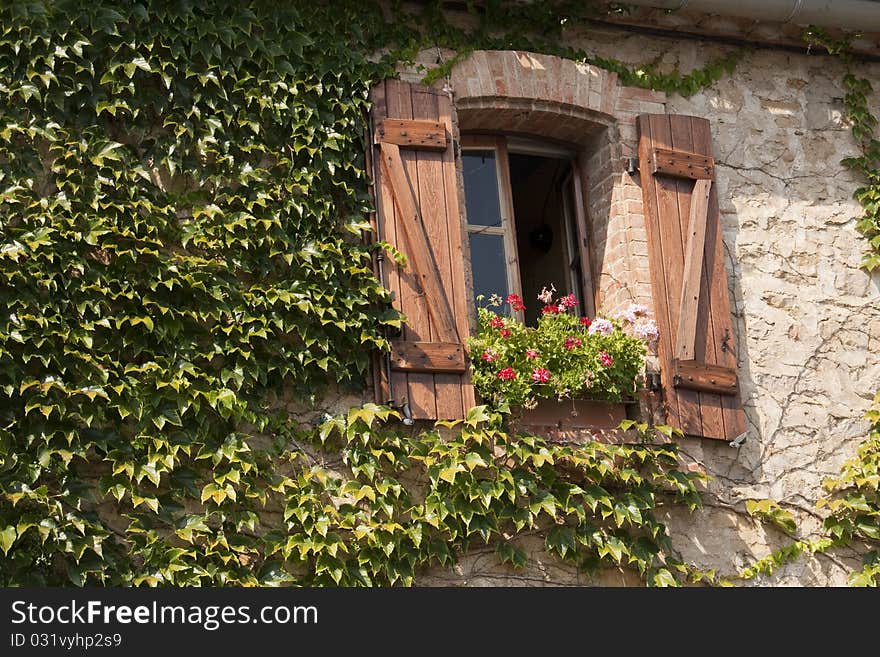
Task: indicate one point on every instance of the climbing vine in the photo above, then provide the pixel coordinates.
(182, 203)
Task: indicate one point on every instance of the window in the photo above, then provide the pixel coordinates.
(525, 221)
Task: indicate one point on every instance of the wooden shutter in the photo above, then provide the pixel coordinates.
(697, 343)
(414, 168)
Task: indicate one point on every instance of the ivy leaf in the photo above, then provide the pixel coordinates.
(7, 538)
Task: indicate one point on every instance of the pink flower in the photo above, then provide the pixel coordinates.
(647, 331)
(505, 333)
(489, 355)
(635, 310)
(606, 359)
(549, 309)
(515, 302)
(546, 295)
(602, 326)
(586, 321)
(568, 301)
(541, 374)
(496, 322)
(507, 374)
(571, 342)
(531, 353)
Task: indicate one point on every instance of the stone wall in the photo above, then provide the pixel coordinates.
(807, 318)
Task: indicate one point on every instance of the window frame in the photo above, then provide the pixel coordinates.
(498, 144)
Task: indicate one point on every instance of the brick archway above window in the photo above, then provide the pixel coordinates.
(546, 95)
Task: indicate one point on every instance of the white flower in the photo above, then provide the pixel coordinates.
(602, 326)
(546, 295)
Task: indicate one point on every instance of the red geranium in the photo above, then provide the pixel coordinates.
(515, 302)
(489, 355)
(606, 359)
(572, 342)
(586, 321)
(541, 374)
(505, 333)
(496, 322)
(549, 308)
(568, 301)
(506, 374)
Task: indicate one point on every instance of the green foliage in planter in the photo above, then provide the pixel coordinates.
(563, 356)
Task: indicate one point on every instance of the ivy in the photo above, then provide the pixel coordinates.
(183, 255)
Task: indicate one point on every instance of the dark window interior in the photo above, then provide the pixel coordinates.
(545, 236)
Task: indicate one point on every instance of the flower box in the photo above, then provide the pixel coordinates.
(564, 357)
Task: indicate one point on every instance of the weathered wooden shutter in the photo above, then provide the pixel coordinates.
(414, 168)
(697, 343)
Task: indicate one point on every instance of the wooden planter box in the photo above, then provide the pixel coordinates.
(572, 419)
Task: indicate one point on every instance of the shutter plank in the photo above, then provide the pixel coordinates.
(425, 273)
(694, 375)
(432, 220)
(428, 356)
(669, 201)
(452, 397)
(721, 333)
(709, 404)
(655, 255)
(410, 226)
(413, 133)
(398, 103)
(693, 271)
(683, 164)
(396, 382)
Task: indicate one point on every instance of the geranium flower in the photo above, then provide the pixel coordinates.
(489, 355)
(549, 309)
(589, 378)
(496, 322)
(507, 374)
(600, 325)
(606, 359)
(647, 331)
(531, 353)
(505, 333)
(546, 295)
(571, 342)
(586, 321)
(541, 374)
(568, 301)
(515, 302)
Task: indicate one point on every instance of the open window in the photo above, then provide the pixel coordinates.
(526, 223)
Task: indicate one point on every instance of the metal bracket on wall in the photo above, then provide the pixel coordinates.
(740, 439)
(632, 165)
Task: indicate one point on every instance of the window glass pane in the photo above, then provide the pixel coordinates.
(481, 188)
(489, 266)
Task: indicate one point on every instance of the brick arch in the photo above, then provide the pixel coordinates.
(583, 105)
(512, 75)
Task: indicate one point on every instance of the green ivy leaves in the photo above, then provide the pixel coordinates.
(176, 254)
